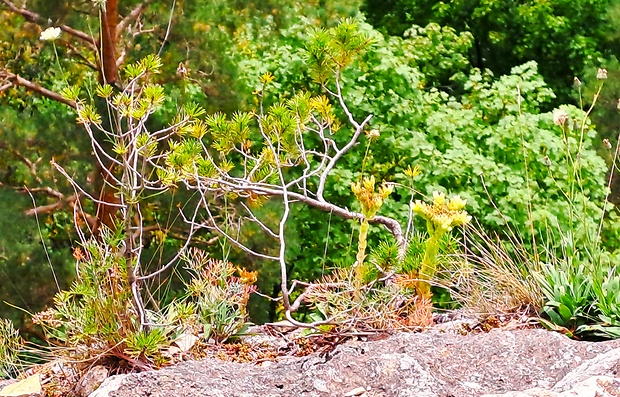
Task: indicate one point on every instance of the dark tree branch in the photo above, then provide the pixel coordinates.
(43, 91)
(77, 53)
(33, 17)
(132, 16)
(16, 80)
(49, 191)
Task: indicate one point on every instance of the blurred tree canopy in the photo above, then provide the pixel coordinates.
(456, 95)
(562, 36)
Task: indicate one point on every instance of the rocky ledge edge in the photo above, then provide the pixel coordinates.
(509, 363)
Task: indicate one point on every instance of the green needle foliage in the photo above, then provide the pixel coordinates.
(95, 318)
(10, 346)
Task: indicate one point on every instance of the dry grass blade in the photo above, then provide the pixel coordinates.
(494, 276)
(381, 307)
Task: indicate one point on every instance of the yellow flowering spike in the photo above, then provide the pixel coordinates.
(385, 190)
(456, 203)
(443, 214)
(461, 218)
(412, 172)
(370, 200)
(267, 78)
(439, 198)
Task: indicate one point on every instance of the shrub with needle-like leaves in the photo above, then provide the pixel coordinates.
(10, 346)
(285, 153)
(97, 318)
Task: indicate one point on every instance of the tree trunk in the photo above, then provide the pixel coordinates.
(109, 23)
(108, 74)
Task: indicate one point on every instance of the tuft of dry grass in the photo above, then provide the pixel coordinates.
(382, 304)
(492, 276)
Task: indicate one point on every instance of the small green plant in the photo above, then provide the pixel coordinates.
(582, 296)
(370, 202)
(569, 294)
(219, 296)
(147, 345)
(606, 287)
(441, 217)
(96, 317)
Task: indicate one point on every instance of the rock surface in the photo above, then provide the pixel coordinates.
(429, 364)
(587, 380)
(91, 381)
(29, 387)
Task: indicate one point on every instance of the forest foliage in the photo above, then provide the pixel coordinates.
(327, 156)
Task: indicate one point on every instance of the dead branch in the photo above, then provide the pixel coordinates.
(49, 191)
(121, 58)
(46, 209)
(85, 60)
(16, 80)
(132, 16)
